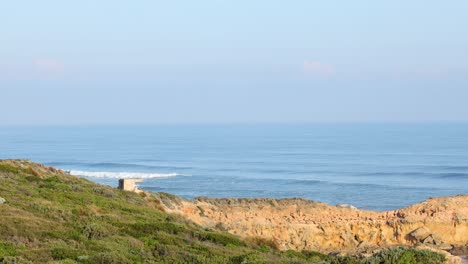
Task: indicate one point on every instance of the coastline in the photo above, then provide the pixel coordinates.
(437, 224)
(302, 224)
(334, 164)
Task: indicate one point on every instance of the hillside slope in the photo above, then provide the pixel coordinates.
(48, 216)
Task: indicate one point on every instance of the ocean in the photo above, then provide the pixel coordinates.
(371, 166)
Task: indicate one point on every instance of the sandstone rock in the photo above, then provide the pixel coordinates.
(367, 245)
(437, 239)
(460, 250)
(428, 240)
(420, 234)
(301, 224)
(445, 246)
(2, 200)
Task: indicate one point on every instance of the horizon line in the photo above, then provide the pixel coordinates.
(95, 124)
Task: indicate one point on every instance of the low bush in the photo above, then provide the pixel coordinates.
(96, 230)
(7, 249)
(144, 229)
(14, 260)
(218, 238)
(262, 242)
(109, 258)
(61, 253)
(402, 255)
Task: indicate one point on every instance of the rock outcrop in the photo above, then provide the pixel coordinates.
(300, 224)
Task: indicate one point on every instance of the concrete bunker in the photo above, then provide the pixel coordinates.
(130, 185)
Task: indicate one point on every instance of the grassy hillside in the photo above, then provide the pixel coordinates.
(53, 217)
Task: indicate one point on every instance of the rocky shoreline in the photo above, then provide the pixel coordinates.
(264, 225)
(440, 224)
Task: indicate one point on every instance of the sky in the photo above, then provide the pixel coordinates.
(301, 61)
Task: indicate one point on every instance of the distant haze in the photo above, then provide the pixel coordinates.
(98, 62)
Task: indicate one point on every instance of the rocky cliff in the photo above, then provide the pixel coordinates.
(303, 224)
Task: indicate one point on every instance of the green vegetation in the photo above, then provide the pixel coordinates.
(402, 255)
(52, 217)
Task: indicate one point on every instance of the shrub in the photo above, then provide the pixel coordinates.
(347, 260)
(314, 256)
(109, 258)
(145, 229)
(64, 253)
(105, 191)
(33, 179)
(53, 179)
(218, 238)
(9, 168)
(247, 259)
(14, 260)
(49, 183)
(402, 255)
(263, 242)
(95, 230)
(6, 250)
(160, 250)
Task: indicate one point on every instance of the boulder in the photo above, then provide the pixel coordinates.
(433, 239)
(429, 240)
(437, 239)
(420, 234)
(367, 245)
(445, 246)
(460, 250)
(2, 200)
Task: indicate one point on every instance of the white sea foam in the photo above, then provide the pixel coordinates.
(121, 175)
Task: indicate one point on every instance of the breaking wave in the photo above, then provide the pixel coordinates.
(120, 175)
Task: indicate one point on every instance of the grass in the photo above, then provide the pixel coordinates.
(52, 217)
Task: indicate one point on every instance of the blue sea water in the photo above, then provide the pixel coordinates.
(372, 166)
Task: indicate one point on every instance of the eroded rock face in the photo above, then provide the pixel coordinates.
(306, 225)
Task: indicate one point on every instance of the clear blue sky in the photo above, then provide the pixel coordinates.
(82, 62)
